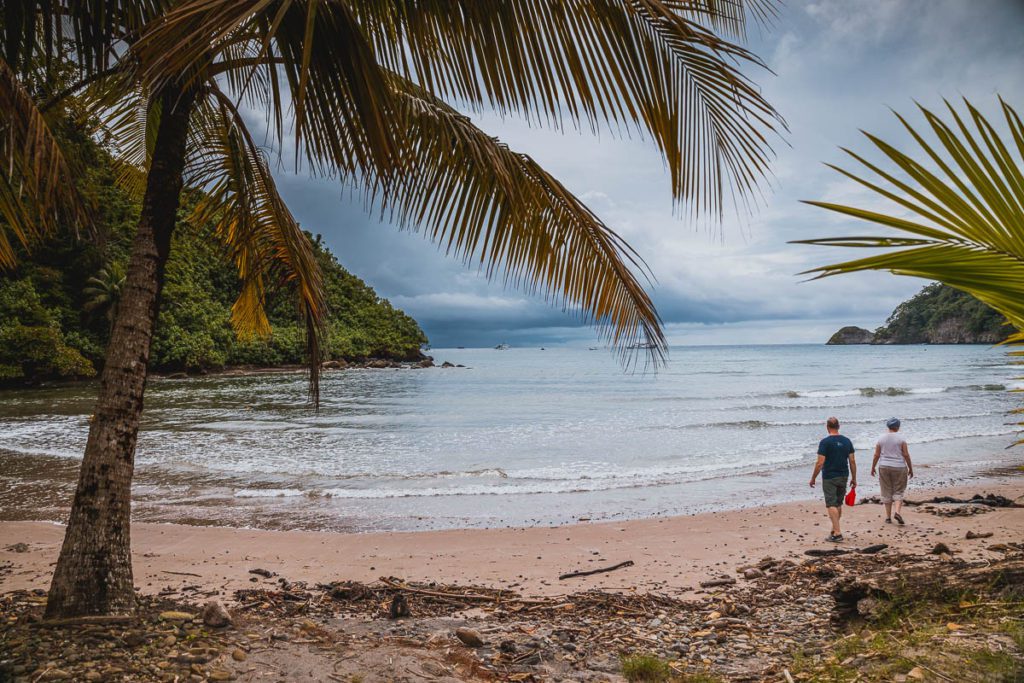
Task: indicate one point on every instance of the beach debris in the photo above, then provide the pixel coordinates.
(399, 607)
(872, 549)
(743, 632)
(971, 535)
(715, 583)
(215, 615)
(18, 548)
(602, 570)
(753, 573)
(941, 548)
(175, 615)
(955, 509)
(826, 552)
(265, 573)
(469, 637)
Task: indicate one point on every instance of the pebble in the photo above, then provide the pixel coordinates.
(469, 637)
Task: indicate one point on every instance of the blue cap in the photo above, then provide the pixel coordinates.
(893, 423)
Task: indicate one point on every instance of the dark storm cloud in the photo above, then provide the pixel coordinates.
(839, 65)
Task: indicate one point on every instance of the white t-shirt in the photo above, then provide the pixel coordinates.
(892, 450)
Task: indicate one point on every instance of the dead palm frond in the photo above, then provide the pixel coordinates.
(37, 189)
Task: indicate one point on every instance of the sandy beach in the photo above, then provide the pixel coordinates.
(671, 554)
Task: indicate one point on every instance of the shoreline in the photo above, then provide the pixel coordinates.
(670, 554)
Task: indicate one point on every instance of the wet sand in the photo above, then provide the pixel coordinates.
(671, 554)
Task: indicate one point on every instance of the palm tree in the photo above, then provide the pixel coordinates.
(961, 201)
(102, 291)
(359, 88)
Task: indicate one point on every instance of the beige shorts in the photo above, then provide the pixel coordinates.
(894, 483)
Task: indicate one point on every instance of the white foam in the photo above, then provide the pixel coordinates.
(268, 493)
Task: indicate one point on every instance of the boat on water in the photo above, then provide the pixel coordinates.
(502, 347)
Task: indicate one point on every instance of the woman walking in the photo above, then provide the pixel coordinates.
(892, 460)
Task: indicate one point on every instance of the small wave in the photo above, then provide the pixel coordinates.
(864, 391)
(269, 493)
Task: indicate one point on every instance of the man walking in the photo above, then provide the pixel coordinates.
(892, 459)
(836, 464)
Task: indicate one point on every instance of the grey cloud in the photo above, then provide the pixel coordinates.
(839, 66)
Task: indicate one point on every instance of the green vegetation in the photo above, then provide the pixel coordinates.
(945, 636)
(645, 669)
(940, 314)
(57, 306)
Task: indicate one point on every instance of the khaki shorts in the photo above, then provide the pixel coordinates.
(893, 481)
(834, 490)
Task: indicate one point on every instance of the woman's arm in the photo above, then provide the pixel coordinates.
(906, 457)
(878, 454)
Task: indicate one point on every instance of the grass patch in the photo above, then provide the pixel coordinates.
(645, 669)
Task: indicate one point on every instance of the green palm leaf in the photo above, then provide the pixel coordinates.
(962, 202)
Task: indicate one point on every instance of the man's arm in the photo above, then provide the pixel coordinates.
(906, 456)
(878, 454)
(817, 468)
(853, 471)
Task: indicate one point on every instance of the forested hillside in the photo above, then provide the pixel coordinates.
(939, 314)
(56, 307)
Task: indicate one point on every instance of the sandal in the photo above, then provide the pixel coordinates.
(888, 520)
(834, 538)
(899, 518)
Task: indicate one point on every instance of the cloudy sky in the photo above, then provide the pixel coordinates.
(839, 65)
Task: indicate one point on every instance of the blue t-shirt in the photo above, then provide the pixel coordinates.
(837, 450)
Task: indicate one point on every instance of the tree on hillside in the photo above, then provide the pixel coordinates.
(961, 217)
(103, 291)
(358, 89)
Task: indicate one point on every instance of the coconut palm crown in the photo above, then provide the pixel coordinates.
(371, 93)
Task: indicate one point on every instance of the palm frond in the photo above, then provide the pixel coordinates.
(39, 32)
(342, 108)
(487, 204)
(962, 202)
(635, 65)
(262, 237)
(37, 187)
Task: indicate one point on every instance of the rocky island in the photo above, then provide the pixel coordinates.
(938, 314)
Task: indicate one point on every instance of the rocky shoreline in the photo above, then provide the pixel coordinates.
(893, 610)
(422, 362)
(788, 621)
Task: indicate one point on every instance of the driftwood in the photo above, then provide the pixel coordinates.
(924, 580)
(602, 570)
(85, 621)
(833, 552)
(715, 583)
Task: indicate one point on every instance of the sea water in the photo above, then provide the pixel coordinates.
(519, 436)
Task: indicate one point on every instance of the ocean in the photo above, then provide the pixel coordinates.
(519, 436)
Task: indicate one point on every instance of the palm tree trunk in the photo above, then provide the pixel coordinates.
(94, 570)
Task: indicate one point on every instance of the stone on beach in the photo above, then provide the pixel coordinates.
(215, 614)
(469, 637)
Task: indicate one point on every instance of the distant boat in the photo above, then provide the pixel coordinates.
(460, 347)
(643, 345)
(591, 348)
(502, 347)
